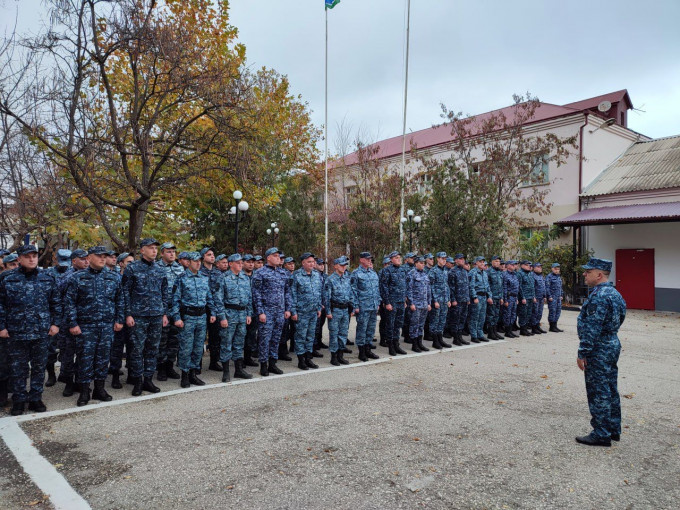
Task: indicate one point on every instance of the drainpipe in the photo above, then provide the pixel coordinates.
(577, 251)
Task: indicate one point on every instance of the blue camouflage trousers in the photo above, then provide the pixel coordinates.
(67, 353)
(406, 323)
(601, 375)
(554, 310)
(191, 341)
(146, 335)
(305, 331)
(269, 334)
(524, 312)
(510, 311)
(21, 354)
(93, 348)
(395, 321)
(536, 312)
(52, 349)
(4, 360)
(438, 318)
(121, 339)
(477, 318)
(233, 337)
(337, 329)
(458, 315)
(366, 320)
(417, 319)
(169, 344)
(493, 312)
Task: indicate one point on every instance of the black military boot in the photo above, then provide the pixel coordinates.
(18, 408)
(184, 383)
(462, 340)
(137, 388)
(420, 344)
(316, 354)
(448, 334)
(414, 345)
(321, 345)
(3, 393)
(226, 376)
(362, 353)
(37, 406)
(435, 341)
(264, 372)
(524, 331)
(349, 342)
(509, 333)
(558, 329)
(162, 374)
(100, 393)
(62, 376)
(273, 368)
(370, 354)
(540, 329)
(302, 365)
(170, 371)
(474, 339)
(346, 350)
(392, 351)
(383, 342)
(193, 378)
(490, 334)
(69, 389)
(51, 376)
(456, 339)
(292, 345)
(498, 335)
(149, 386)
(283, 352)
(309, 360)
(334, 359)
(84, 397)
(239, 370)
(341, 358)
(248, 360)
(115, 381)
(442, 342)
(407, 339)
(535, 330)
(398, 349)
(214, 363)
(515, 327)
(466, 331)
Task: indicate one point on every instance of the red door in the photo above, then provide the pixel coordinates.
(635, 278)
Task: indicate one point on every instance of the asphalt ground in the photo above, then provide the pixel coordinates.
(486, 427)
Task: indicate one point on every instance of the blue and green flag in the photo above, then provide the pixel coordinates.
(331, 3)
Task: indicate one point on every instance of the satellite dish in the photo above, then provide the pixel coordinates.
(604, 106)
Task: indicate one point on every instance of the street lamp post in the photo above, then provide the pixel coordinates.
(274, 233)
(239, 213)
(411, 224)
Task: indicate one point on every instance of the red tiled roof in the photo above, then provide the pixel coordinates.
(612, 97)
(638, 213)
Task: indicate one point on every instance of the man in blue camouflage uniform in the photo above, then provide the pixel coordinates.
(441, 299)
(250, 345)
(66, 341)
(221, 263)
(366, 300)
(598, 323)
(459, 287)
(510, 293)
(235, 303)
(145, 294)
(406, 268)
(30, 312)
(271, 303)
(318, 334)
(495, 276)
(554, 293)
(288, 331)
(192, 295)
(418, 300)
(63, 259)
(382, 327)
(169, 344)
(121, 339)
(429, 265)
(214, 275)
(305, 307)
(393, 295)
(526, 297)
(7, 261)
(93, 309)
(338, 299)
(480, 296)
(540, 295)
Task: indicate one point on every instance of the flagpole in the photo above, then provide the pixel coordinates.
(325, 200)
(403, 141)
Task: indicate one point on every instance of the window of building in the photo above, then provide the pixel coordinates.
(540, 173)
(424, 183)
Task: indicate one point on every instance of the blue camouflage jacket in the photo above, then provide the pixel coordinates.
(510, 285)
(599, 321)
(234, 290)
(29, 304)
(172, 271)
(526, 285)
(305, 292)
(459, 284)
(271, 291)
(337, 290)
(192, 290)
(418, 289)
(439, 282)
(93, 297)
(145, 290)
(553, 286)
(393, 285)
(495, 277)
(479, 284)
(365, 289)
(539, 286)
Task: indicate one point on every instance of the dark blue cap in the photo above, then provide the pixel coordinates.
(307, 255)
(523, 262)
(78, 254)
(4, 252)
(441, 254)
(365, 255)
(148, 241)
(511, 261)
(247, 257)
(342, 261)
(205, 250)
(418, 258)
(10, 257)
(601, 264)
(271, 251)
(168, 246)
(496, 257)
(450, 260)
(27, 248)
(234, 257)
(220, 257)
(386, 260)
(257, 257)
(393, 254)
(556, 264)
(123, 256)
(98, 250)
(320, 261)
(538, 264)
(428, 256)
(64, 257)
(193, 255)
(478, 258)
(459, 256)
(288, 260)
(409, 255)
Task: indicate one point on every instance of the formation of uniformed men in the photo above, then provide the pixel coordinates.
(93, 306)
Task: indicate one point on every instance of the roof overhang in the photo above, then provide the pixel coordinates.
(638, 213)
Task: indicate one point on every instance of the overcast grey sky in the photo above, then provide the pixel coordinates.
(471, 55)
